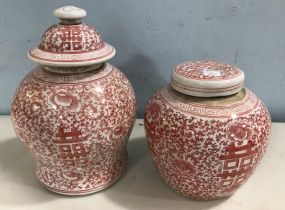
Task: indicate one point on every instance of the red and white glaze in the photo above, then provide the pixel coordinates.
(76, 126)
(207, 70)
(205, 152)
(71, 43)
(71, 39)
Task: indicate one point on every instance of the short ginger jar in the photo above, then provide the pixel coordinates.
(75, 111)
(206, 131)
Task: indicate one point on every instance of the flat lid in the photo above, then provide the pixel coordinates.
(71, 42)
(207, 78)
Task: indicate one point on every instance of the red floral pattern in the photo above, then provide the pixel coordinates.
(183, 166)
(239, 131)
(71, 38)
(65, 99)
(207, 70)
(76, 126)
(202, 151)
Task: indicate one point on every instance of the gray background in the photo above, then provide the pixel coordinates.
(152, 36)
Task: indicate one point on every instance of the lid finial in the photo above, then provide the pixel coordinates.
(69, 13)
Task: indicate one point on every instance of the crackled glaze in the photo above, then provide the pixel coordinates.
(206, 148)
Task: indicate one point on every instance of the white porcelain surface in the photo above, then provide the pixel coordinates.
(141, 187)
(69, 12)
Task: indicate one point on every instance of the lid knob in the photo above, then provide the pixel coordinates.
(207, 79)
(69, 13)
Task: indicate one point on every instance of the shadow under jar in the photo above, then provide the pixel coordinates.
(75, 111)
(205, 131)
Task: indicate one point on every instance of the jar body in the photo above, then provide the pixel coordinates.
(206, 148)
(76, 126)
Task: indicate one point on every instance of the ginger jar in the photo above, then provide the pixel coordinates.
(206, 132)
(75, 111)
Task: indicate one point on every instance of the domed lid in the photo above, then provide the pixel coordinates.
(71, 42)
(207, 79)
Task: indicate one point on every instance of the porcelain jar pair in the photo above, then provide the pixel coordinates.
(75, 113)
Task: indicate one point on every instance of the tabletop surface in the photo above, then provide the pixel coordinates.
(141, 187)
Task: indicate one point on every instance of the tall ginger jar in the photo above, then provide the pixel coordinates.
(75, 111)
(206, 131)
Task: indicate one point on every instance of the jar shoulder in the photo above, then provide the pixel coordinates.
(104, 72)
(106, 92)
(238, 105)
(104, 81)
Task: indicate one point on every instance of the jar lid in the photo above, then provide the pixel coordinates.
(207, 78)
(71, 42)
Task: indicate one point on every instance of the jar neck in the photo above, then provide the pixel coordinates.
(70, 22)
(72, 70)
